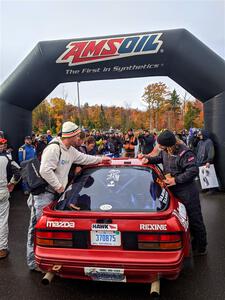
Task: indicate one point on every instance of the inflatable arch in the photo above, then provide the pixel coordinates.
(173, 53)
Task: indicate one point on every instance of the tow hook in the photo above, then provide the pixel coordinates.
(50, 275)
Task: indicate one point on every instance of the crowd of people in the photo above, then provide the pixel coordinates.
(62, 156)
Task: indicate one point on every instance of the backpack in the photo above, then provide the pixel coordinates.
(30, 174)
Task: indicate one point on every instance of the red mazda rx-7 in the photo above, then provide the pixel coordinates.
(116, 222)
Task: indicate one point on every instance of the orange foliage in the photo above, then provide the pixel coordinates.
(51, 115)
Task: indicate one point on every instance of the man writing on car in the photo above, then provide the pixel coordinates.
(56, 162)
(180, 170)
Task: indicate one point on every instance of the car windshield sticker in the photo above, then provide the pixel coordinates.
(113, 177)
(164, 196)
(106, 207)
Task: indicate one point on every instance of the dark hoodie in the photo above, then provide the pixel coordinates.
(205, 150)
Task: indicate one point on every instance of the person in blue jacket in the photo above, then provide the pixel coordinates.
(26, 151)
(49, 136)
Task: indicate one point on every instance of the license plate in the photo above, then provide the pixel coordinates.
(105, 274)
(105, 238)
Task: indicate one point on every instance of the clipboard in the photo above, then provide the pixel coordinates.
(208, 178)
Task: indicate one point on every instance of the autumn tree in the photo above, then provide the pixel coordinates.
(154, 96)
(41, 118)
(51, 114)
(58, 111)
(191, 116)
(175, 107)
(102, 119)
(200, 119)
(85, 115)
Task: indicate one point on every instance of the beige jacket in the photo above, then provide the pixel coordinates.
(56, 172)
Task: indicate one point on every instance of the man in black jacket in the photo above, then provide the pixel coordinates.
(147, 142)
(180, 169)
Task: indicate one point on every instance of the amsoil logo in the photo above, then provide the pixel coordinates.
(81, 52)
(104, 227)
(60, 224)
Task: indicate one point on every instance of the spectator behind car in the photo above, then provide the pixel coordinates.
(205, 149)
(26, 152)
(130, 142)
(88, 146)
(42, 143)
(49, 136)
(147, 142)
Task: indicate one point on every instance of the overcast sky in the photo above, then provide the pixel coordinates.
(24, 23)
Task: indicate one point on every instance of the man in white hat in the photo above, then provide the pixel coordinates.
(56, 162)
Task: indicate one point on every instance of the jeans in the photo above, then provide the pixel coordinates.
(25, 187)
(36, 204)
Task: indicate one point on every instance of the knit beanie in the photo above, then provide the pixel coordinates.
(166, 138)
(70, 129)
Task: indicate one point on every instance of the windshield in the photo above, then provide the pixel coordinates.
(118, 189)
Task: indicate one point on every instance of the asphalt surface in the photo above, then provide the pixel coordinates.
(205, 282)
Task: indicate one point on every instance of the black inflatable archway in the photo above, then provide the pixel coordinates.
(173, 53)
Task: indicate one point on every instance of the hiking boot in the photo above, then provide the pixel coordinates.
(4, 253)
(201, 252)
